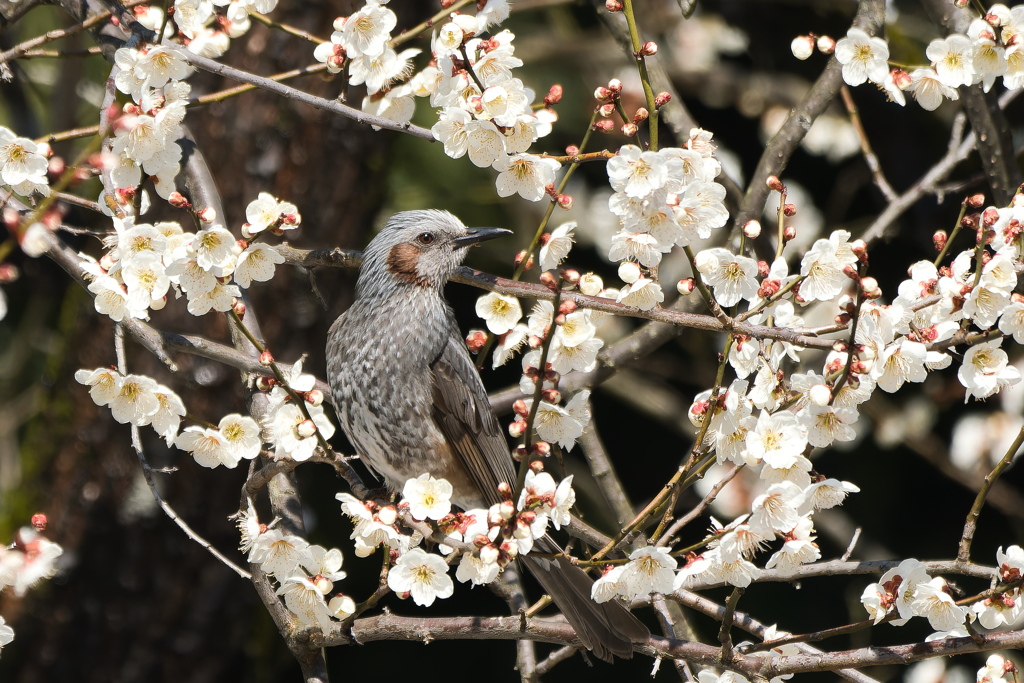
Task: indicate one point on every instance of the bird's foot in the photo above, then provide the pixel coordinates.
(381, 496)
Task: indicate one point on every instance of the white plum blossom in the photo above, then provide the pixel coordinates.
(557, 247)
(500, 312)
(929, 90)
(826, 494)
(279, 554)
(366, 32)
(777, 508)
(241, 435)
(986, 370)
(6, 634)
(135, 401)
(257, 264)
(645, 294)
(451, 132)
(20, 160)
(424, 576)
(609, 585)
(826, 424)
(525, 174)
(428, 498)
(822, 271)
(289, 442)
(637, 173)
(207, 446)
(953, 58)
(650, 570)
(266, 211)
(931, 600)
(104, 384)
(732, 277)
(985, 304)
(901, 362)
(863, 57)
(798, 549)
(777, 439)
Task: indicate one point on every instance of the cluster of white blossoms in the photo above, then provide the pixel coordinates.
(662, 199)
(909, 591)
(495, 536)
(991, 49)
(23, 164)
(24, 563)
(205, 31)
(305, 574)
(997, 669)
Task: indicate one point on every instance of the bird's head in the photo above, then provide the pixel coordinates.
(420, 248)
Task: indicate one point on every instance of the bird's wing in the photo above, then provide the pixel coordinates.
(464, 415)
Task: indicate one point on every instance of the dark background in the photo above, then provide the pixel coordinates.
(135, 600)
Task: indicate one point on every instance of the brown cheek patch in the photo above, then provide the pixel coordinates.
(403, 262)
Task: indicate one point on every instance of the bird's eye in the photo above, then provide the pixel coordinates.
(426, 238)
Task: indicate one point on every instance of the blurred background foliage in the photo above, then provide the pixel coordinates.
(137, 601)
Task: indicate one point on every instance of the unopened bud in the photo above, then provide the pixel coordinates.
(548, 280)
(567, 307)
(306, 429)
(207, 214)
(39, 521)
(572, 150)
(554, 95)
(629, 130)
(641, 115)
(649, 49)
(518, 453)
(387, 515)
(552, 396)
(939, 240)
(537, 466)
(604, 126)
(789, 210)
(998, 15)
(860, 249)
(505, 491)
(519, 259)
(820, 395)
(591, 284)
(475, 340)
(489, 554)
(517, 428)
(602, 94)
(176, 199)
(851, 272)
(869, 285)
(238, 307)
(826, 45)
(969, 222)
(9, 273)
(266, 359)
(560, 319)
(685, 286)
(661, 99)
(510, 548)
(535, 341)
(976, 201)
(55, 166)
(542, 448)
(519, 408)
(551, 376)
(842, 319)
(752, 229)
(314, 397)
(788, 234)
(802, 47)
(506, 509)
(615, 86)
(606, 110)
(629, 272)
(265, 383)
(960, 4)
(1017, 298)
(990, 217)
(613, 5)
(564, 201)
(570, 276)
(774, 183)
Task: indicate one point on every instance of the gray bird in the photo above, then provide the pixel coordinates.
(410, 400)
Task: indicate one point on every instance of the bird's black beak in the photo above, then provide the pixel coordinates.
(477, 235)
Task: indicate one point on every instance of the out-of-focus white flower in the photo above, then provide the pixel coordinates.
(500, 312)
(191, 15)
(428, 498)
(424, 576)
(6, 633)
(20, 160)
(863, 57)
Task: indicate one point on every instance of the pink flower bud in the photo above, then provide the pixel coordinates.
(542, 448)
(314, 397)
(564, 201)
(613, 5)
(976, 201)
(506, 509)
(266, 359)
(551, 376)
(55, 167)
(939, 239)
(629, 130)
(802, 47)
(551, 395)
(788, 234)
(535, 341)
(752, 229)
(641, 115)
(851, 272)
(510, 548)
(842, 319)
(661, 99)
(554, 95)
(518, 453)
(606, 110)
(570, 275)
(517, 428)
(604, 126)
(615, 86)
(537, 466)
(826, 45)
(520, 409)
(774, 183)
(685, 286)
(567, 306)
(789, 210)
(649, 49)
(306, 429)
(39, 521)
(572, 150)
(869, 285)
(9, 273)
(602, 94)
(763, 269)
(560, 319)
(387, 515)
(481, 540)
(548, 280)
(990, 216)
(265, 383)
(207, 214)
(176, 199)
(1017, 298)
(505, 491)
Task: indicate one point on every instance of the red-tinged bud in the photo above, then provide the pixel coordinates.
(869, 286)
(774, 183)
(519, 258)
(266, 359)
(788, 233)
(55, 167)
(481, 540)
(551, 395)
(39, 521)
(602, 94)
(859, 367)
(789, 210)
(570, 276)
(107, 262)
(615, 86)
(506, 509)
(641, 115)
(520, 409)
(9, 273)
(1017, 298)
(176, 199)
(550, 189)
(554, 95)
(305, 429)
(613, 5)
(629, 130)
(541, 448)
(985, 257)
(314, 397)
(551, 376)
(535, 342)
(752, 229)
(548, 280)
(517, 428)
(859, 248)
(970, 222)
(976, 201)
(518, 453)
(604, 126)
(509, 548)
(527, 517)
(649, 49)
(989, 217)
(131, 109)
(489, 554)
(685, 286)
(960, 4)
(238, 307)
(564, 201)
(115, 21)
(901, 78)
(207, 214)
(572, 150)
(606, 110)
(505, 491)
(802, 47)
(475, 340)
(763, 269)
(560, 319)
(537, 466)
(851, 272)
(661, 99)
(993, 19)
(826, 45)
(567, 307)
(939, 239)
(842, 318)
(544, 239)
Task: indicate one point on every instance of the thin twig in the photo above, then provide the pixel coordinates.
(556, 657)
(853, 544)
(725, 633)
(865, 147)
(701, 507)
(285, 28)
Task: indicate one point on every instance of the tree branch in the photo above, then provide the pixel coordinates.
(964, 554)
